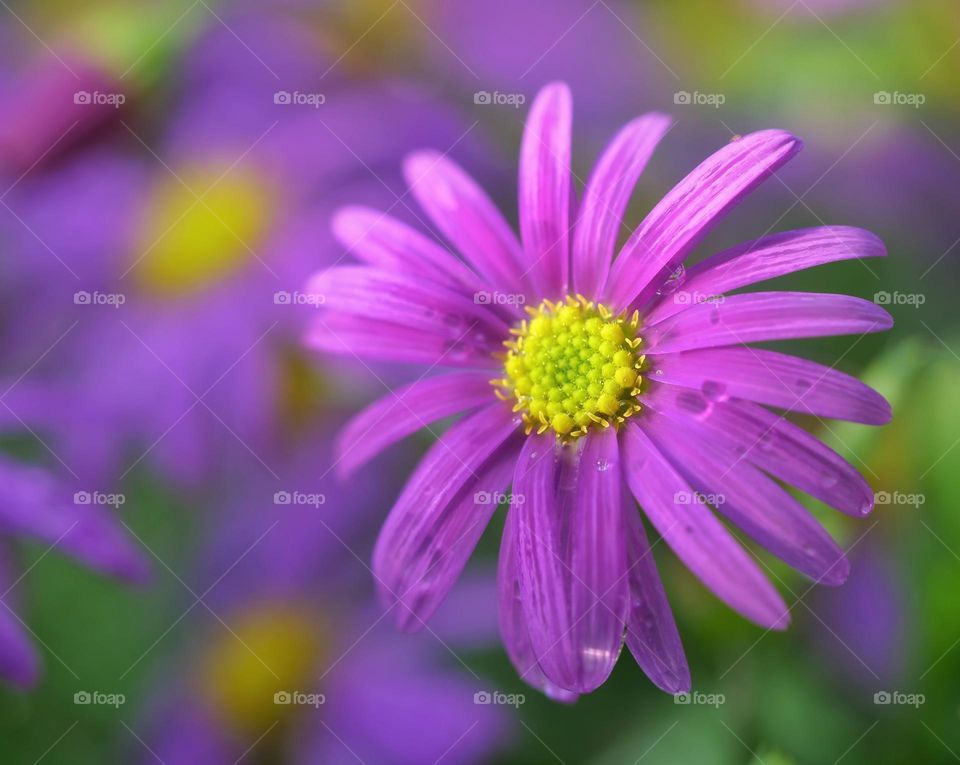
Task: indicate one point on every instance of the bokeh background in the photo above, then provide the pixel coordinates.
(167, 175)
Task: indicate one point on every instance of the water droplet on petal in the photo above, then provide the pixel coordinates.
(674, 281)
(714, 391)
(828, 480)
(603, 465)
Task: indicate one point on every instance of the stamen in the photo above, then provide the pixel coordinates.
(571, 366)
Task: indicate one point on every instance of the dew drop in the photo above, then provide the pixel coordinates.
(603, 465)
(714, 391)
(692, 402)
(828, 480)
(673, 282)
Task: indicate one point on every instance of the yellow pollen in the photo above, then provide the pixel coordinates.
(189, 244)
(572, 365)
(272, 648)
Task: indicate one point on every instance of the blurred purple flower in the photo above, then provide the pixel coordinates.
(630, 372)
(304, 670)
(167, 285)
(35, 505)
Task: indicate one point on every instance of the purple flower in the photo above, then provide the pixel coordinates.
(627, 380)
(298, 664)
(35, 505)
(119, 256)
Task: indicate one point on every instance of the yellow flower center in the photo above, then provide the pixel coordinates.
(271, 649)
(189, 243)
(573, 365)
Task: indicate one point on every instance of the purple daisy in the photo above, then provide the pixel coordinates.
(627, 381)
(305, 671)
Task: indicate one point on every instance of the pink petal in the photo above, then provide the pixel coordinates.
(605, 200)
(403, 299)
(771, 443)
(363, 338)
(692, 208)
(764, 259)
(545, 190)
(443, 510)
(751, 500)
(387, 243)
(407, 410)
(513, 623)
(572, 556)
(696, 536)
(467, 217)
(775, 379)
(761, 316)
(652, 635)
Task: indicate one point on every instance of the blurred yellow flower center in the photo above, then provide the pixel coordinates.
(573, 365)
(252, 671)
(190, 243)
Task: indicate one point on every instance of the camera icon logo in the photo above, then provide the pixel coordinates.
(682, 97)
(281, 498)
(882, 98)
(82, 498)
(482, 697)
(483, 97)
(882, 697)
(82, 97)
(682, 698)
(281, 697)
(81, 697)
(282, 97)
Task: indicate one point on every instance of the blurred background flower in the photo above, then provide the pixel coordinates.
(167, 177)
